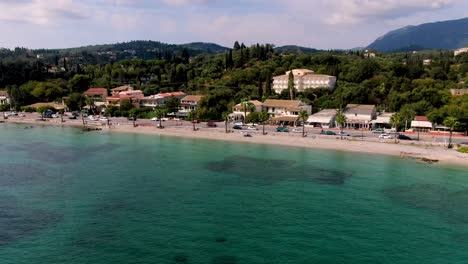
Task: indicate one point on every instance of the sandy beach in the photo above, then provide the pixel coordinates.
(422, 150)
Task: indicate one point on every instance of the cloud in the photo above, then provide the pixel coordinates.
(342, 12)
(41, 11)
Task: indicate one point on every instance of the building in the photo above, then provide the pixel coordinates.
(4, 97)
(98, 94)
(382, 121)
(188, 104)
(359, 116)
(160, 99)
(133, 96)
(303, 79)
(421, 124)
(238, 111)
(285, 110)
(460, 51)
(117, 90)
(459, 92)
(53, 105)
(427, 62)
(369, 54)
(324, 119)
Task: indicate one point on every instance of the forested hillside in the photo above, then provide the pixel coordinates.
(393, 82)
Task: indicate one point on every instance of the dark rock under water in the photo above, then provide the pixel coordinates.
(274, 170)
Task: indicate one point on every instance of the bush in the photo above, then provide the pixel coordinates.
(463, 149)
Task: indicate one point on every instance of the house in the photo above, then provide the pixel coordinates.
(117, 90)
(238, 111)
(421, 124)
(460, 51)
(97, 94)
(368, 54)
(382, 121)
(160, 99)
(4, 97)
(459, 92)
(303, 79)
(325, 118)
(359, 116)
(427, 62)
(133, 96)
(53, 105)
(285, 110)
(188, 104)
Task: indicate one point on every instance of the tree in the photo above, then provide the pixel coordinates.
(452, 123)
(172, 104)
(247, 106)
(263, 118)
(160, 113)
(303, 115)
(395, 121)
(341, 121)
(3, 108)
(226, 119)
(193, 115)
(237, 45)
(79, 83)
(291, 85)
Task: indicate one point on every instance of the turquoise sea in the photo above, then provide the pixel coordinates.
(73, 197)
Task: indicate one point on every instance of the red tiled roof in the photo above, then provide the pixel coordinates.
(192, 98)
(421, 118)
(3, 93)
(96, 91)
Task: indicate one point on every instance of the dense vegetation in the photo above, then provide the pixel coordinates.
(396, 82)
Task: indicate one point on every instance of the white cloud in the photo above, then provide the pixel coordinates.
(41, 11)
(342, 12)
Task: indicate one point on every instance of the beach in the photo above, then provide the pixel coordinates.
(421, 150)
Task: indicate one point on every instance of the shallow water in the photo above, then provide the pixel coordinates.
(73, 197)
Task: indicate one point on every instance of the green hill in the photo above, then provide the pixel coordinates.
(450, 34)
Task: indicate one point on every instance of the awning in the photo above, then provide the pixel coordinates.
(320, 119)
(423, 124)
(285, 119)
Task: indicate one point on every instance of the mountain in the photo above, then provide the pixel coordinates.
(294, 48)
(451, 34)
(205, 47)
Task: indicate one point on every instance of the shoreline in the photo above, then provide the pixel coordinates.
(421, 151)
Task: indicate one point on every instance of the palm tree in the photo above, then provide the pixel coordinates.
(263, 117)
(248, 107)
(452, 123)
(395, 120)
(341, 121)
(160, 113)
(193, 116)
(226, 119)
(303, 115)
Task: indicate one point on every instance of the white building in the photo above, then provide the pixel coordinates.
(421, 124)
(359, 116)
(4, 98)
(323, 119)
(238, 111)
(160, 99)
(188, 104)
(460, 51)
(285, 110)
(303, 79)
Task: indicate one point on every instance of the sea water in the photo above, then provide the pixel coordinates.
(68, 196)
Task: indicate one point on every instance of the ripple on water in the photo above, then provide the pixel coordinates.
(271, 171)
(452, 206)
(17, 223)
(20, 174)
(224, 260)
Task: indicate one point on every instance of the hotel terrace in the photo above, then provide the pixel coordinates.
(303, 79)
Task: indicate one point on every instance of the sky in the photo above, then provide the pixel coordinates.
(323, 24)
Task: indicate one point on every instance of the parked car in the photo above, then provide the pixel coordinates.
(196, 121)
(238, 123)
(103, 118)
(72, 117)
(237, 127)
(252, 128)
(55, 115)
(21, 115)
(404, 137)
(385, 136)
(378, 131)
(282, 129)
(154, 119)
(297, 130)
(344, 134)
(330, 133)
(211, 124)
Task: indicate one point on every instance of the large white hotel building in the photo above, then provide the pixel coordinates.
(303, 79)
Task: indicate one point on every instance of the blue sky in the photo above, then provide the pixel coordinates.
(324, 24)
